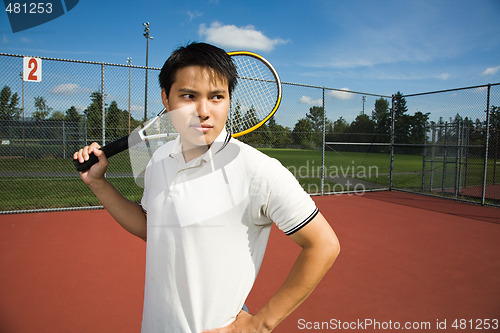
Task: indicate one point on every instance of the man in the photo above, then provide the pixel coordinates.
(208, 205)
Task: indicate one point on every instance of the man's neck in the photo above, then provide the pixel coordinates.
(194, 152)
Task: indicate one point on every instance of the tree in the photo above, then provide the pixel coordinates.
(363, 128)
(234, 121)
(402, 122)
(42, 110)
(250, 117)
(271, 122)
(418, 124)
(494, 143)
(256, 137)
(281, 136)
(72, 114)
(94, 116)
(340, 129)
(259, 137)
(57, 115)
(315, 116)
(116, 121)
(494, 119)
(303, 133)
(382, 118)
(400, 107)
(8, 104)
(329, 131)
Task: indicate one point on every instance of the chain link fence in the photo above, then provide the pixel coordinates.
(459, 149)
(332, 140)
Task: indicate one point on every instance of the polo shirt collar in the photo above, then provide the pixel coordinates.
(219, 143)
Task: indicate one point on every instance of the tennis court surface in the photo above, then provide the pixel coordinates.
(407, 261)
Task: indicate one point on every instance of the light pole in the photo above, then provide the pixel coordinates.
(24, 129)
(146, 34)
(129, 62)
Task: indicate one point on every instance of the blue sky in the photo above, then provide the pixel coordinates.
(378, 47)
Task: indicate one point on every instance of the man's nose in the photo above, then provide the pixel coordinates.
(202, 110)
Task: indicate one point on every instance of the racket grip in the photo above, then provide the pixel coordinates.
(109, 150)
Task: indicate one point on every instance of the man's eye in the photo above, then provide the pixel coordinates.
(188, 96)
(218, 97)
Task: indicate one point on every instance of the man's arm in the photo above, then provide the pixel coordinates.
(127, 213)
(320, 248)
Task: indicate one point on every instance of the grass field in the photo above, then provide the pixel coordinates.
(41, 183)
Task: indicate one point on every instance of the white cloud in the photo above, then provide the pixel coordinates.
(444, 76)
(81, 108)
(491, 70)
(193, 14)
(68, 89)
(231, 36)
(340, 94)
(136, 108)
(5, 39)
(309, 101)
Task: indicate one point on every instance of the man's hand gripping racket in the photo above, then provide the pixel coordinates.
(255, 99)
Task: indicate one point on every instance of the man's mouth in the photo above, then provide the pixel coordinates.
(202, 127)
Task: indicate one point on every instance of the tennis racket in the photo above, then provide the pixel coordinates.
(254, 101)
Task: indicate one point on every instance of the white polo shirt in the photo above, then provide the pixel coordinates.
(208, 223)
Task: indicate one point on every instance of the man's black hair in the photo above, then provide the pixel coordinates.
(198, 54)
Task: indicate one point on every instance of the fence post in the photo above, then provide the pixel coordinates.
(85, 130)
(323, 147)
(424, 155)
(485, 168)
(466, 153)
(433, 156)
(11, 139)
(103, 109)
(64, 139)
(458, 165)
(443, 180)
(391, 167)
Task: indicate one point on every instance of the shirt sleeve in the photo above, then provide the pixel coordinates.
(144, 199)
(288, 205)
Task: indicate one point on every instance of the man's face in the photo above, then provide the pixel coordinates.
(198, 103)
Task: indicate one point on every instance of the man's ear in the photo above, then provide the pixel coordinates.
(164, 99)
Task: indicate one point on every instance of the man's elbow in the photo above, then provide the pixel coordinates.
(332, 249)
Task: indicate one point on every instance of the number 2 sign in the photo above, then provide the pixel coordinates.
(32, 69)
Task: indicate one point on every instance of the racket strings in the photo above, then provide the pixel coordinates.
(255, 95)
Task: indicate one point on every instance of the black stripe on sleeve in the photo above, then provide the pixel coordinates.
(303, 223)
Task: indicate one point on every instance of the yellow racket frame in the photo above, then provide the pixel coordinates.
(278, 98)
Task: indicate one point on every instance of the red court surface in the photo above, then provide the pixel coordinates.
(405, 260)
